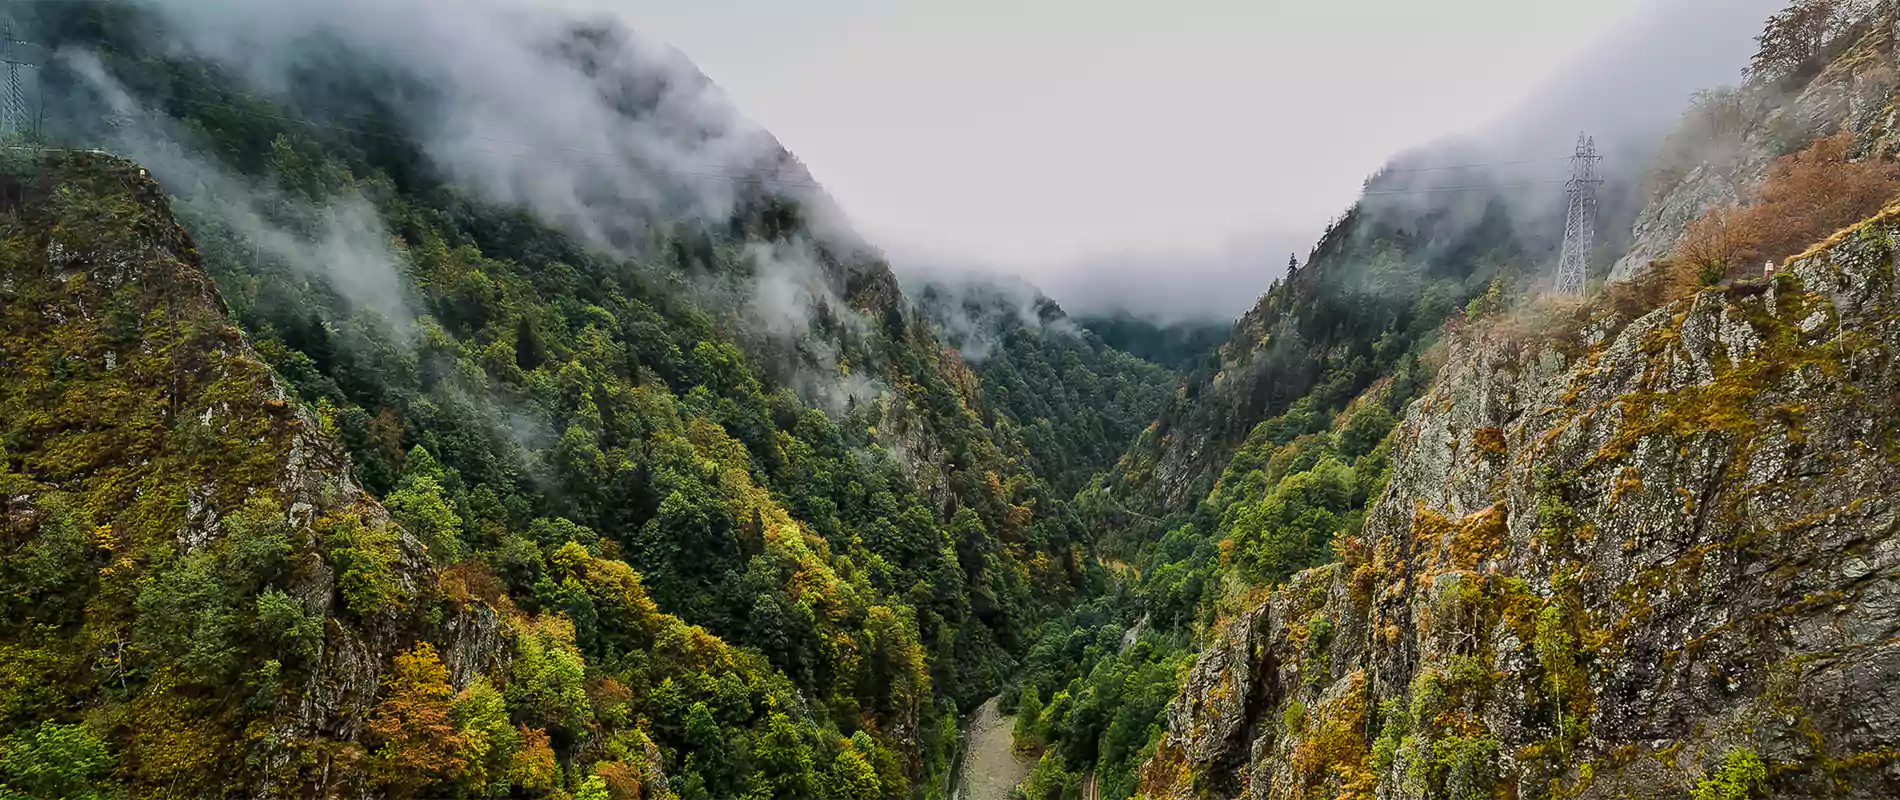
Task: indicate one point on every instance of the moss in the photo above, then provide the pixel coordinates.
(1739, 776)
(1332, 759)
(1489, 441)
(1392, 730)
(1479, 538)
(1293, 718)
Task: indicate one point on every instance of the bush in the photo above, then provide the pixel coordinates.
(1806, 197)
(52, 760)
(1739, 775)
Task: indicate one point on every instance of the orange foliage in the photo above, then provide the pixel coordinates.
(533, 766)
(418, 745)
(623, 781)
(466, 582)
(1818, 191)
(1806, 197)
(1722, 242)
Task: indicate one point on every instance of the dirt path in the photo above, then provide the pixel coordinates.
(990, 765)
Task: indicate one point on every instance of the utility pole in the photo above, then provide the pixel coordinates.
(15, 115)
(1580, 222)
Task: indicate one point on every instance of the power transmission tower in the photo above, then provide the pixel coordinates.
(1580, 223)
(15, 115)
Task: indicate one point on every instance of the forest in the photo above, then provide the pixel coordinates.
(328, 471)
(622, 538)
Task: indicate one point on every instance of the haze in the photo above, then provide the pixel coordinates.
(1119, 153)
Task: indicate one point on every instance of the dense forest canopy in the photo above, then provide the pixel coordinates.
(693, 504)
(379, 420)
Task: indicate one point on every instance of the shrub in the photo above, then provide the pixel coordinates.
(1736, 778)
(1806, 197)
(54, 760)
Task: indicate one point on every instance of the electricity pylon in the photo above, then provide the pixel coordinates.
(1580, 222)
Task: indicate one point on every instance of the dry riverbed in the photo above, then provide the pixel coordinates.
(991, 766)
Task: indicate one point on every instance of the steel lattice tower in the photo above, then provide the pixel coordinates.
(1580, 223)
(15, 115)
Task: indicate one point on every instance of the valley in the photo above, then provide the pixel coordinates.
(365, 436)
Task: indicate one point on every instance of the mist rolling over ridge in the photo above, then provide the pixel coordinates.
(637, 400)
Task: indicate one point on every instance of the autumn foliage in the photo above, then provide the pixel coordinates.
(1797, 37)
(1805, 198)
(416, 742)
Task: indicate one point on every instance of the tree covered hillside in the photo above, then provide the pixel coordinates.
(1074, 400)
(662, 494)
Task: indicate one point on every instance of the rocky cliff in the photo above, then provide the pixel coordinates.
(1730, 138)
(1626, 556)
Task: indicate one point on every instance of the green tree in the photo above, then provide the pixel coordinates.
(423, 509)
(852, 777)
(1028, 732)
(545, 678)
(55, 761)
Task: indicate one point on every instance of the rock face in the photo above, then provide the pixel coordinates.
(1651, 555)
(1729, 141)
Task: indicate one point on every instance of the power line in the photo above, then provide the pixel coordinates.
(14, 112)
(1472, 188)
(1473, 166)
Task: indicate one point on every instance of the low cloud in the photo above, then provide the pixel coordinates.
(340, 239)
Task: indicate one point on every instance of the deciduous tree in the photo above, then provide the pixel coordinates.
(416, 743)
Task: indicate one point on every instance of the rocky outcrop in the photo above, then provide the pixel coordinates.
(1627, 561)
(1729, 140)
(131, 396)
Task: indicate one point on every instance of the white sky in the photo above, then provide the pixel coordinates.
(1035, 136)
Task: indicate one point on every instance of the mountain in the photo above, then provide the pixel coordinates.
(399, 404)
(1423, 532)
(350, 452)
(1635, 558)
(203, 601)
(1073, 400)
(1180, 346)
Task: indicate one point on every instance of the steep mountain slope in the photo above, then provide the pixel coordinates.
(677, 497)
(1731, 137)
(1493, 612)
(202, 601)
(1620, 550)
(1074, 401)
(1642, 561)
(1377, 287)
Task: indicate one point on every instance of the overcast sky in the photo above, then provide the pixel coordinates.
(1045, 138)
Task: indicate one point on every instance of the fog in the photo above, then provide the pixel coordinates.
(1080, 144)
(592, 133)
(512, 107)
(1628, 90)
